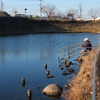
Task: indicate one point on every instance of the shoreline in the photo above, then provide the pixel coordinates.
(81, 85)
(21, 26)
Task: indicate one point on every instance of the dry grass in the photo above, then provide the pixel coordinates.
(98, 78)
(82, 82)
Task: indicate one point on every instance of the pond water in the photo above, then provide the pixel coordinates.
(24, 56)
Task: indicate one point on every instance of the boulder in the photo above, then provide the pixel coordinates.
(52, 90)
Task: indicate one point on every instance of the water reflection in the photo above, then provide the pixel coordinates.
(53, 97)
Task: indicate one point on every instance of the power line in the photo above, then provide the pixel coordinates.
(62, 6)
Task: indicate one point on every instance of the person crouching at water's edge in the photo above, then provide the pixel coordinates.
(87, 45)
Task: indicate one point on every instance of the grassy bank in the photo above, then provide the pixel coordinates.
(81, 85)
(66, 27)
(20, 26)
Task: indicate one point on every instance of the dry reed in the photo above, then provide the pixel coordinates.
(82, 82)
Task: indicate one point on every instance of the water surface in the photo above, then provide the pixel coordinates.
(24, 57)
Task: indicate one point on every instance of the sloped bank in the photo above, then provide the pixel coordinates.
(65, 27)
(15, 26)
(20, 26)
(81, 85)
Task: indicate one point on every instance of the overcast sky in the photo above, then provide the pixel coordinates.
(33, 6)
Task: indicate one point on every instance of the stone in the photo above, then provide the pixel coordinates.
(50, 76)
(65, 61)
(67, 64)
(68, 86)
(52, 90)
(79, 59)
(69, 77)
(47, 73)
(70, 70)
(45, 66)
(65, 73)
(61, 68)
(38, 87)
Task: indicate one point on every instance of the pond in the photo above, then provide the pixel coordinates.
(24, 56)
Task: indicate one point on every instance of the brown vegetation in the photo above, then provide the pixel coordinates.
(81, 85)
(66, 26)
(4, 14)
(98, 78)
(20, 26)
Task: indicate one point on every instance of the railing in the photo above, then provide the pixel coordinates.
(95, 80)
(68, 51)
(71, 50)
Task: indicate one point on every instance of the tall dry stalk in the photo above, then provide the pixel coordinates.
(82, 82)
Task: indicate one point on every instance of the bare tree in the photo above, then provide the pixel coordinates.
(72, 13)
(48, 10)
(94, 13)
(59, 14)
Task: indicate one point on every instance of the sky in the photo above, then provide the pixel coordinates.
(33, 6)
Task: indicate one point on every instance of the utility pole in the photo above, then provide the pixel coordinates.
(1, 5)
(25, 10)
(40, 9)
(80, 7)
